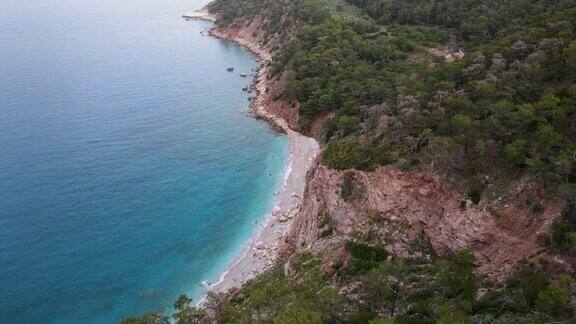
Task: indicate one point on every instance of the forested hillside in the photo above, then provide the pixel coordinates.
(478, 92)
(389, 74)
(376, 289)
(508, 103)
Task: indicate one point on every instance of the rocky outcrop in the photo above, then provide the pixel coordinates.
(247, 34)
(252, 35)
(409, 204)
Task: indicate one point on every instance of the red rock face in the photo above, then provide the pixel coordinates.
(272, 101)
(499, 233)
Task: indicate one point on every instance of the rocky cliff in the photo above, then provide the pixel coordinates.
(401, 208)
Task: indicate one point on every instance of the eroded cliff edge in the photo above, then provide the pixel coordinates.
(401, 208)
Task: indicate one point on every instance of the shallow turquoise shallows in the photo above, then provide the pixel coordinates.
(129, 169)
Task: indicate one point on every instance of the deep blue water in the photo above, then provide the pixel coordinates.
(129, 170)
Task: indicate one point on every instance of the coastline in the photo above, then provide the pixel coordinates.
(201, 14)
(265, 246)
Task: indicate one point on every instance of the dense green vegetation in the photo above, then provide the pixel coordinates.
(510, 102)
(474, 20)
(397, 290)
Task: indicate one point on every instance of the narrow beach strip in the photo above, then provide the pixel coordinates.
(261, 252)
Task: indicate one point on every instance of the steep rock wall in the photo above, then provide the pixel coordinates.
(499, 233)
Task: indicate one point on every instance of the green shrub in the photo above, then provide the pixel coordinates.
(457, 276)
(351, 188)
(563, 236)
(475, 189)
(346, 154)
(365, 257)
(528, 281)
(326, 233)
(366, 252)
(353, 153)
(297, 315)
(553, 301)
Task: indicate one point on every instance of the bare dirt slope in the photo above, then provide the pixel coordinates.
(407, 204)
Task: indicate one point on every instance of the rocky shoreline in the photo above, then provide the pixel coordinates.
(201, 14)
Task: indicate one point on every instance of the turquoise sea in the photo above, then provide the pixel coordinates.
(129, 169)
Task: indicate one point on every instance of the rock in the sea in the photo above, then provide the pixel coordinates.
(243, 75)
(230, 69)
